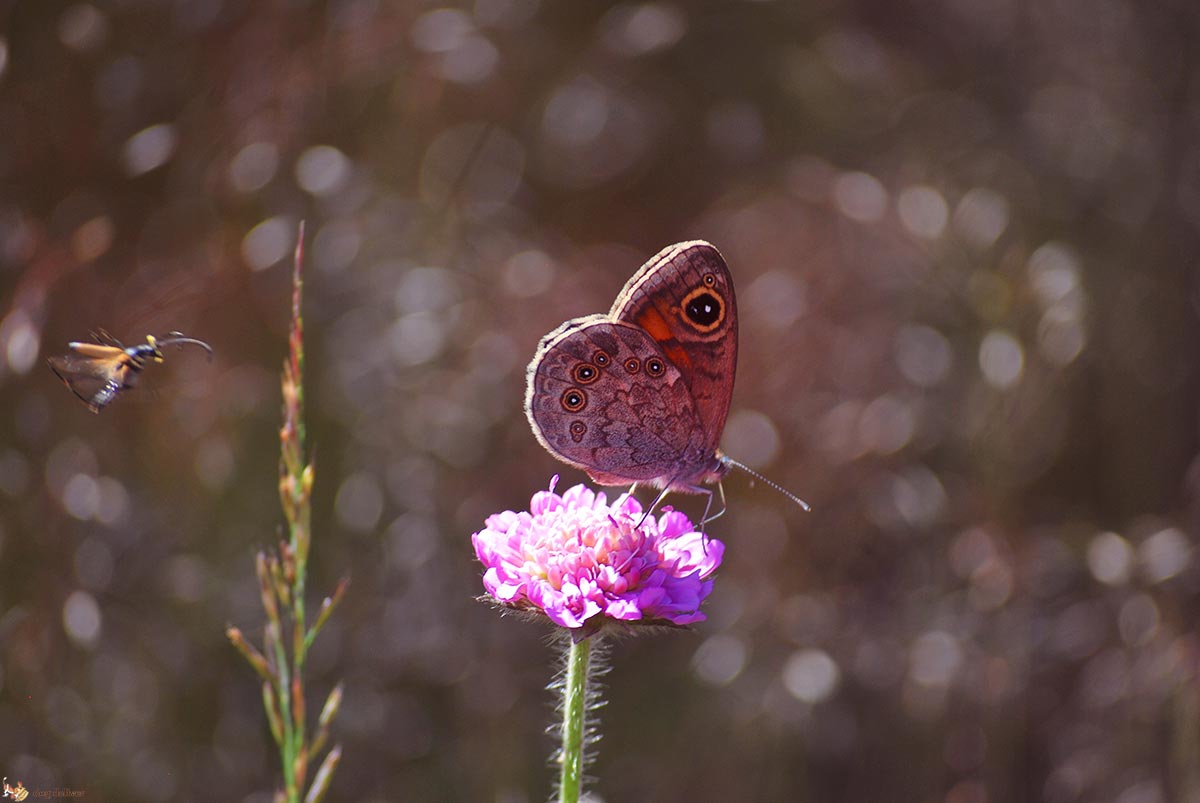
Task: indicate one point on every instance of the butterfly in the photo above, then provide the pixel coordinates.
(97, 372)
(641, 395)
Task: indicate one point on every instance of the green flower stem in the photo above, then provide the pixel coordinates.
(575, 698)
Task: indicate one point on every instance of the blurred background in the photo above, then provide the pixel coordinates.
(964, 235)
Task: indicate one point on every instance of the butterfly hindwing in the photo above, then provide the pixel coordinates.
(683, 298)
(604, 397)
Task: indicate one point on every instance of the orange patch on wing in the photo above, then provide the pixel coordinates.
(653, 322)
(96, 351)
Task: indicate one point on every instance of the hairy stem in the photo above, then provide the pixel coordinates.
(574, 708)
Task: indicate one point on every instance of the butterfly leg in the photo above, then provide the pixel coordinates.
(707, 518)
(662, 495)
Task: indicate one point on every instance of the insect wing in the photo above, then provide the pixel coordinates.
(602, 396)
(94, 381)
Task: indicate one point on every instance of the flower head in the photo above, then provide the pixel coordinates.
(575, 558)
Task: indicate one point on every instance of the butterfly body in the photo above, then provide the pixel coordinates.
(641, 395)
(97, 372)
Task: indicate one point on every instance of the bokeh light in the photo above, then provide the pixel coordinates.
(964, 237)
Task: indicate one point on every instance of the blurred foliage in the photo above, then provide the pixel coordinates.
(965, 240)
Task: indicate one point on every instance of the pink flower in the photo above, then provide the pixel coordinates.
(580, 561)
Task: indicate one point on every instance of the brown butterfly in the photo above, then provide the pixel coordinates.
(641, 395)
(97, 372)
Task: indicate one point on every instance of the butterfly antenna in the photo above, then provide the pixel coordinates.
(807, 508)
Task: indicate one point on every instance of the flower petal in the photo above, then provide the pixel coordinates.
(576, 558)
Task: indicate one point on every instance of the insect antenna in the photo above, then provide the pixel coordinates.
(807, 508)
(179, 339)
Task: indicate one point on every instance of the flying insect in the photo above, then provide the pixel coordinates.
(97, 372)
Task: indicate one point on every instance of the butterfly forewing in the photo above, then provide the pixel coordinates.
(683, 298)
